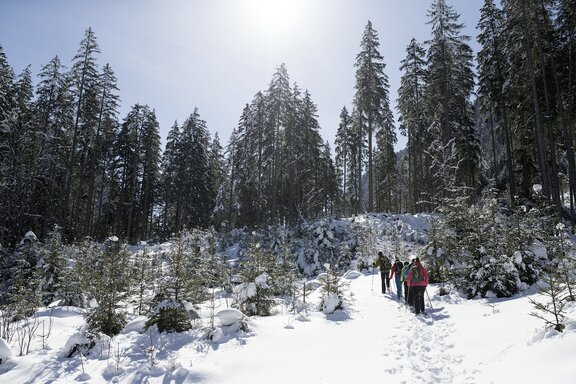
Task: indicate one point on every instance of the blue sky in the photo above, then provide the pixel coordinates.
(175, 55)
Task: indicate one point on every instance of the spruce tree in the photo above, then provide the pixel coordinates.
(449, 86)
(491, 78)
(84, 76)
(257, 271)
(54, 266)
(100, 157)
(25, 291)
(343, 159)
(216, 166)
(18, 160)
(54, 113)
(169, 311)
(371, 103)
(137, 170)
(110, 285)
(413, 121)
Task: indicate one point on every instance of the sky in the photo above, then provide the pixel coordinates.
(176, 55)
(375, 339)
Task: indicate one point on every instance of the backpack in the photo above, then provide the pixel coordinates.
(416, 275)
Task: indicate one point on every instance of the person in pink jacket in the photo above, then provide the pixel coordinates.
(417, 280)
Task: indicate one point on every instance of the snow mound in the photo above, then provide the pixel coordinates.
(229, 316)
(74, 343)
(351, 275)
(135, 325)
(331, 302)
(61, 312)
(5, 350)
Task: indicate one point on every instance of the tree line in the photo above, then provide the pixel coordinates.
(66, 157)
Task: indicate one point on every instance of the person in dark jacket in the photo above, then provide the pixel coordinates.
(417, 280)
(384, 264)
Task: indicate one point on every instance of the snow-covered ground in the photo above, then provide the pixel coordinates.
(375, 340)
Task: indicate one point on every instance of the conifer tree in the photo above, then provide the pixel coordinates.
(449, 85)
(257, 271)
(100, 157)
(25, 292)
(137, 168)
(110, 285)
(491, 74)
(169, 311)
(343, 159)
(172, 213)
(216, 166)
(53, 266)
(278, 108)
(413, 121)
(54, 113)
(372, 108)
(142, 278)
(194, 183)
(566, 85)
(18, 156)
(85, 80)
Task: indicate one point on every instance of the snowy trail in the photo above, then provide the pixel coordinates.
(380, 339)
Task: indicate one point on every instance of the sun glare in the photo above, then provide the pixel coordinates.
(275, 17)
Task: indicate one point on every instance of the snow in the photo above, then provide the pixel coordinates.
(229, 316)
(376, 339)
(5, 350)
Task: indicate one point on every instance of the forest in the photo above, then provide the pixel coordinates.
(488, 133)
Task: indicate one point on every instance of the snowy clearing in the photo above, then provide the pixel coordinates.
(375, 339)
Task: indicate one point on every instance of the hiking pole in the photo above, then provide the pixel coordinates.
(430, 301)
(372, 288)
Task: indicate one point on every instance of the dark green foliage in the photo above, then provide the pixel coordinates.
(170, 316)
(110, 279)
(26, 288)
(452, 142)
(281, 169)
(486, 248)
(53, 266)
(374, 118)
(258, 272)
(188, 181)
(413, 121)
(333, 290)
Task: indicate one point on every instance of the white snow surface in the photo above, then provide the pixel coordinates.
(229, 316)
(375, 339)
(5, 350)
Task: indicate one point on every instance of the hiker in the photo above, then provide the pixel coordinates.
(403, 275)
(396, 271)
(417, 281)
(384, 264)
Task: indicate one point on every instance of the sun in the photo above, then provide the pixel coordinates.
(274, 17)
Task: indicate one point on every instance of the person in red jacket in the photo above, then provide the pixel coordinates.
(417, 280)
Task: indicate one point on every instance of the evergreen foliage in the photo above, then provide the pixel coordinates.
(257, 271)
(333, 290)
(110, 282)
(374, 117)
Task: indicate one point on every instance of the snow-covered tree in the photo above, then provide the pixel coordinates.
(371, 104)
(26, 289)
(257, 272)
(54, 266)
(106, 313)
